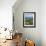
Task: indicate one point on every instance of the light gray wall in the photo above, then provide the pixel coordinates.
(6, 13)
(29, 33)
(43, 22)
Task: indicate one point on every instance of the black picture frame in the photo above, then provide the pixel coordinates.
(29, 19)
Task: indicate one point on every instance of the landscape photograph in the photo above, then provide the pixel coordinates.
(28, 19)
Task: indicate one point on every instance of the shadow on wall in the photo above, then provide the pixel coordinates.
(37, 41)
(28, 5)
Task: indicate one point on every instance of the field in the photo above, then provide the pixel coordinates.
(28, 21)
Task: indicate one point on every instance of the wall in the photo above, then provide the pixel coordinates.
(6, 13)
(29, 33)
(6, 16)
(43, 22)
(27, 5)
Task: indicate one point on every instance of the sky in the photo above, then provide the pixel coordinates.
(28, 15)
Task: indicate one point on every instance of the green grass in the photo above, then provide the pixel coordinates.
(29, 21)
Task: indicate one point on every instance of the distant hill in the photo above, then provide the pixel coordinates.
(29, 21)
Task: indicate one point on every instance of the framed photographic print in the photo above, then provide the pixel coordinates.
(29, 19)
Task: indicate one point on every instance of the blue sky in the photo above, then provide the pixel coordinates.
(28, 15)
